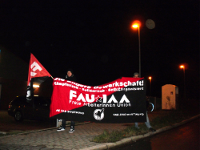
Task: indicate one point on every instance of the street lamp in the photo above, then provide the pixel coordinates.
(150, 83)
(136, 25)
(183, 67)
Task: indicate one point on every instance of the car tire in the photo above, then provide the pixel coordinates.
(18, 116)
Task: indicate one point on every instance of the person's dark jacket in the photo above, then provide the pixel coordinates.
(71, 78)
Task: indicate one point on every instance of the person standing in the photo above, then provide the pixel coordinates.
(136, 75)
(70, 76)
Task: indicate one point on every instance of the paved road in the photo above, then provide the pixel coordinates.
(186, 137)
(81, 139)
(51, 139)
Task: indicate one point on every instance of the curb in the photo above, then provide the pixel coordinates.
(106, 146)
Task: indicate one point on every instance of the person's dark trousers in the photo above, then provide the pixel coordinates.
(63, 123)
(72, 125)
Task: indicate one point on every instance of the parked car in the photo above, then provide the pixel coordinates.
(37, 109)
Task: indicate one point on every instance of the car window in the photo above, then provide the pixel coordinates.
(19, 100)
(39, 101)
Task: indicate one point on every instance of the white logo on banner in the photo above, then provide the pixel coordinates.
(90, 98)
(34, 67)
(28, 92)
(98, 114)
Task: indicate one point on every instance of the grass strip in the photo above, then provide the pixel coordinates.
(158, 122)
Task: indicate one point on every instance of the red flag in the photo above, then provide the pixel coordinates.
(36, 69)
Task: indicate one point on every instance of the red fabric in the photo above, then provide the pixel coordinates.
(60, 100)
(36, 69)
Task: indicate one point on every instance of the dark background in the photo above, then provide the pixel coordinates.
(95, 39)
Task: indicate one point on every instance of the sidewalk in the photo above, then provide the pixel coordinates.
(48, 139)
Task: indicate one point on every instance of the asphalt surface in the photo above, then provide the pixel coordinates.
(49, 138)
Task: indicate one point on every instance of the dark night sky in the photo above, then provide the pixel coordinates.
(96, 40)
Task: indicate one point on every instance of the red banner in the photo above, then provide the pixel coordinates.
(70, 98)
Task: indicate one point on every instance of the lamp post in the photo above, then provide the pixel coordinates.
(136, 25)
(183, 67)
(150, 83)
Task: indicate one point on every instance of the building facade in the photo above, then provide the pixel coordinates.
(13, 77)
